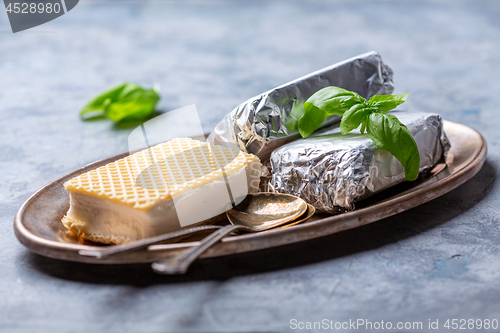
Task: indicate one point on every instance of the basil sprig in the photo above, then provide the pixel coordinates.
(127, 101)
(384, 129)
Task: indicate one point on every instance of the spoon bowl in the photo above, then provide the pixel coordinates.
(262, 211)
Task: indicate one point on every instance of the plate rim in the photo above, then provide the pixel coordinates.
(229, 245)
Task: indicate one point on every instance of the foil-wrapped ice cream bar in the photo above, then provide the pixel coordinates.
(269, 120)
(331, 171)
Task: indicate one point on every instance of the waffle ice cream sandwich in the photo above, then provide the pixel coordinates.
(172, 185)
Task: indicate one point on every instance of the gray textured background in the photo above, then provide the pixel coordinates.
(446, 54)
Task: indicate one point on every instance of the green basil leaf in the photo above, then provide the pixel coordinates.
(96, 106)
(388, 133)
(387, 102)
(136, 106)
(326, 102)
(311, 120)
(126, 101)
(129, 90)
(335, 100)
(354, 117)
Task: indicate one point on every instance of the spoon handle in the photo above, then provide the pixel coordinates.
(180, 263)
(143, 243)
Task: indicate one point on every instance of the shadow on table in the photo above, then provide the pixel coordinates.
(369, 237)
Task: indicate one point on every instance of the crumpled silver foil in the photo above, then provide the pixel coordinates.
(331, 171)
(264, 122)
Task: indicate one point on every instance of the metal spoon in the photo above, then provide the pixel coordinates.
(257, 212)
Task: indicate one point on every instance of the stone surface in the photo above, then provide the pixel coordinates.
(435, 262)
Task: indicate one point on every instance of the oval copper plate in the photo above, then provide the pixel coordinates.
(37, 223)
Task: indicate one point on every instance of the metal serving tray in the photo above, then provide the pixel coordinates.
(38, 225)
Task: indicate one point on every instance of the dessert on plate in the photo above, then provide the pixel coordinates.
(180, 183)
